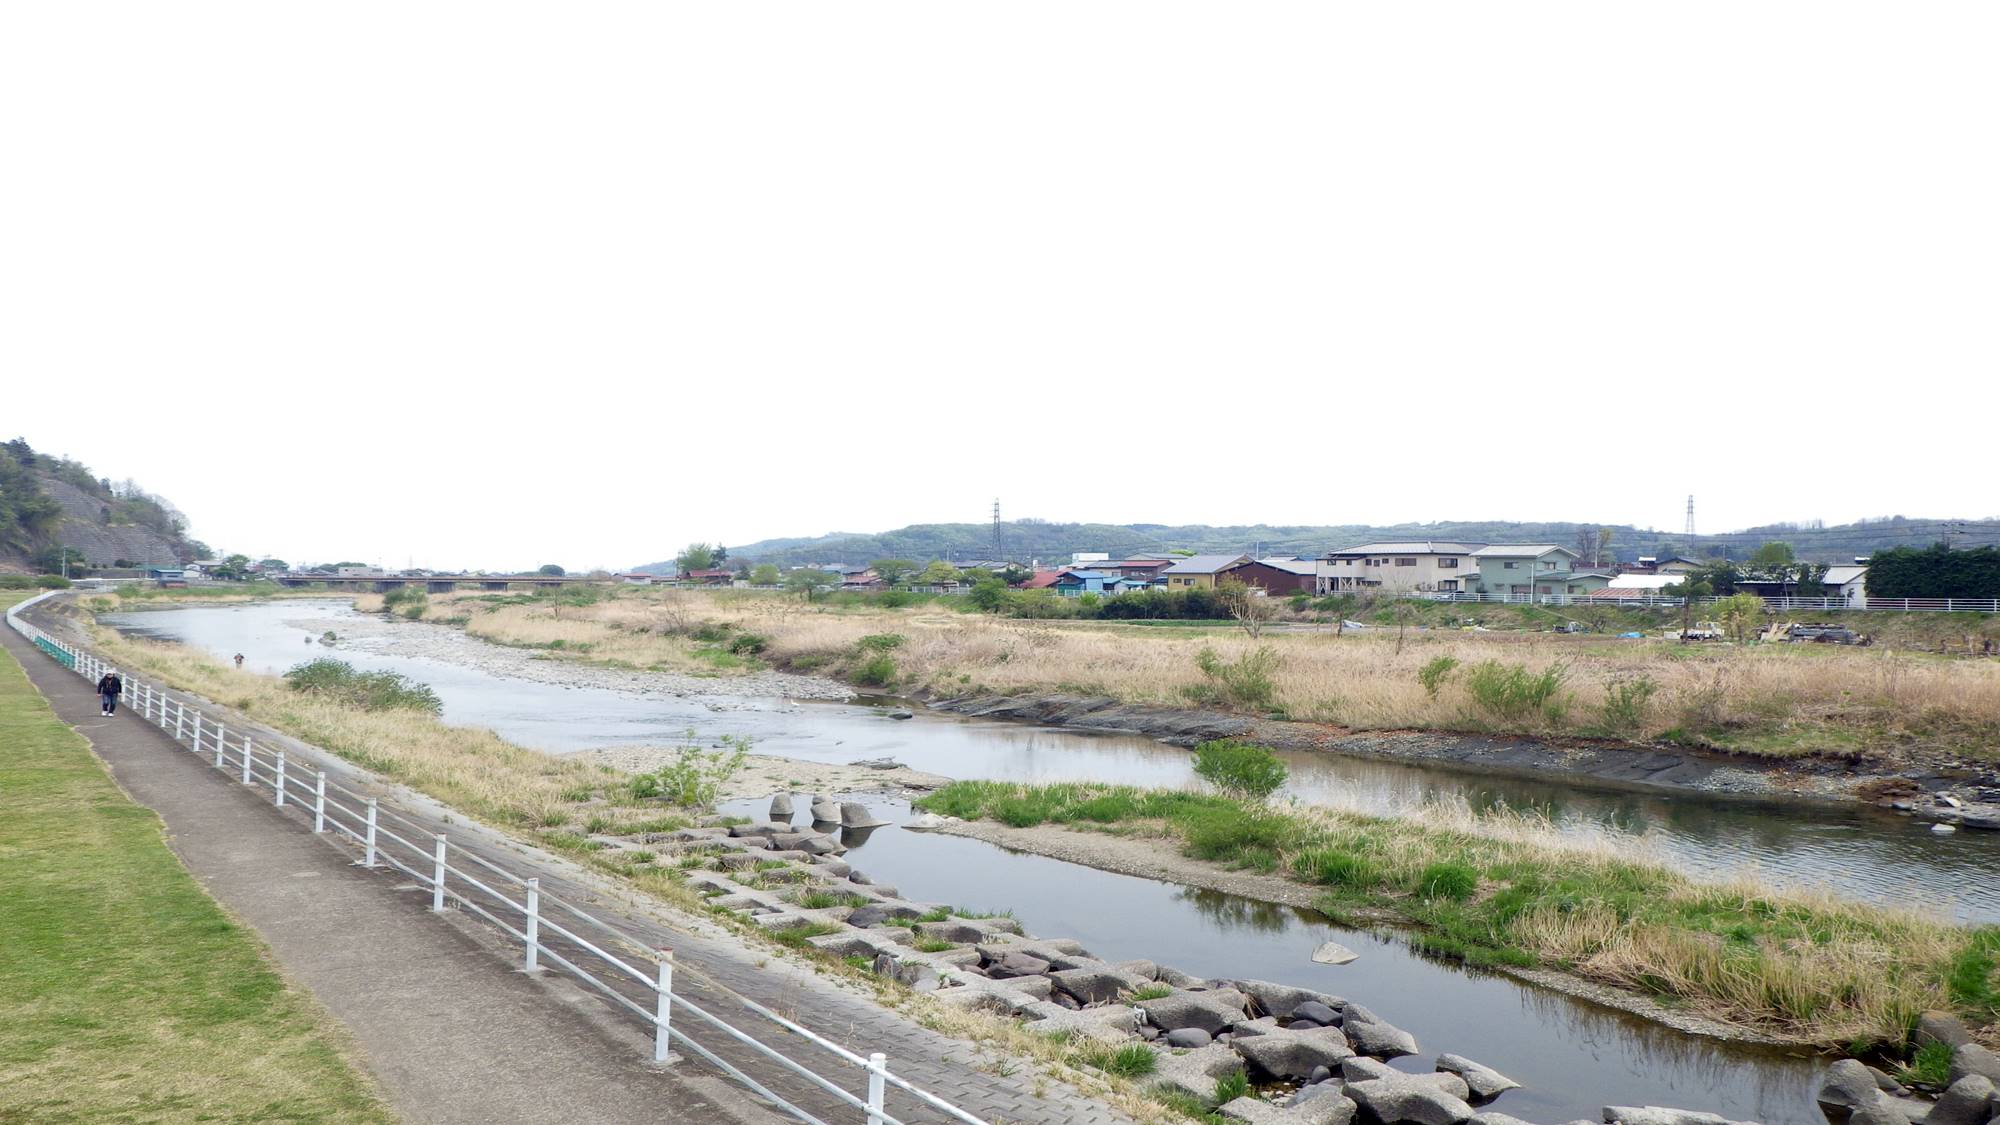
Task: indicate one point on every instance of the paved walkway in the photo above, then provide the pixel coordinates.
(452, 1031)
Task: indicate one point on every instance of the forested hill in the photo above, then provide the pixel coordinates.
(1034, 539)
(49, 504)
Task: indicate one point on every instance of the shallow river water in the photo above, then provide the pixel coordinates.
(1573, 1056)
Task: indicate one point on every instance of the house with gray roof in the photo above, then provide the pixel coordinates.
(1400, 568)
(1525, 570)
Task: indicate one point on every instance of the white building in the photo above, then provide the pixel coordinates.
(1849, 584)
(1399, 568)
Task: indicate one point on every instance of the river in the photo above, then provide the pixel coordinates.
(1572, 1056)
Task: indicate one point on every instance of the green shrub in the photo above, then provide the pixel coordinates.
(880, 642)
(695, 776)
(1153, 992)
(795, 936)
(876, 671)
(406, 601)
(1433, 674)
(713, 632)
(1336, 868)
(934, 945)
(1511, 692)
(1238, 769)
(1246, 682)
(1447, 880)
(748, 644)
(1627, 703)
(1231, 1086)
(340, 682)
(1133, 1060)
(1930, 1065)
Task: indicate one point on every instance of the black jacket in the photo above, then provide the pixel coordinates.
(110, 685)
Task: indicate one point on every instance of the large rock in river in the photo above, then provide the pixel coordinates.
(1484, 1082)
(1212, 1011)
(1292, 1055)
(1968, 1101)
(1971, 1058)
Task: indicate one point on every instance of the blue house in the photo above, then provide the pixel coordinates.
(1076, 583)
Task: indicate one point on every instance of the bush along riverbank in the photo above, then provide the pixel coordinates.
(1812, 970)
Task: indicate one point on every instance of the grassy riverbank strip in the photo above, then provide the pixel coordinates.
(125, 992)
(1509, 892)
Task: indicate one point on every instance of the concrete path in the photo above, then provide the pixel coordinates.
(451, 1034)
(456, 1034)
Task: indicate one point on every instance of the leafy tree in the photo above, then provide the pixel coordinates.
(989, 594)
(1688, 589)
(939, 573)
(1738, 614)
(58, 560)
(1013, 574)
(551, 570)
(721, 555)
(696, 556)
(809, 583)
(1936, 571)
(270, 565)
(235, 568)
(764, 574)
(893, 571)
(1772, 555)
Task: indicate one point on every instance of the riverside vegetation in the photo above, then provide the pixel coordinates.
(1774, 701)
(1508, 891)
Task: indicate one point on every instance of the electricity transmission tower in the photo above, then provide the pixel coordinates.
(998, 556)
(1690, 520)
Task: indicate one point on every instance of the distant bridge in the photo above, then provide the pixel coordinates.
(434, 583)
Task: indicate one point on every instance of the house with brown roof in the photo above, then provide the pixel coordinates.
(1199, 572)
(1279, 576)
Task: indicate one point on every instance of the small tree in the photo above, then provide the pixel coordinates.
(1687, 590)
(1772, 555)
(809, 583)
(765, 574)
(989, 594)
(893, 572)
(1250, 608)
(1404, 612)
(273, 565)
(1738, 613)
(551, 570)
(695, 556)
(1013, 574)
(939, 573)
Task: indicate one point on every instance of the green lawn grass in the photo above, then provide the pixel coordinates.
(126, 994)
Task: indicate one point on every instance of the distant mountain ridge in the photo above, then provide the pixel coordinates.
(1024, 540)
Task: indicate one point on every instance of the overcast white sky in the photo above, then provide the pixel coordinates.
(500, 284)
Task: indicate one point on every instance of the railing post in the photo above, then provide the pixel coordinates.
(534, 925)
(664, 1010)
(280, 802)
(222, 745)
(319, 803)
(878, 1066)
(221, 736)
(180, 720)
(196, 744)
(437, 877)
(248, 753)
(369, 844)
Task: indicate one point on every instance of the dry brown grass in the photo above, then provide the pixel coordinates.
(1778, 700)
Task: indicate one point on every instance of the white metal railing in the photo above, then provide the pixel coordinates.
(430, 859)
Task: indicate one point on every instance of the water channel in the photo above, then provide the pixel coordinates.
(1573, 1056)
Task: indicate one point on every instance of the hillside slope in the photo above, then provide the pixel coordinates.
(48, 503)
(1036, 539)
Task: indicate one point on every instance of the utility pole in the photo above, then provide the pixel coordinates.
(998, 555)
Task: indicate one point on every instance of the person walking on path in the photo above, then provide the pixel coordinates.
(109, 688)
